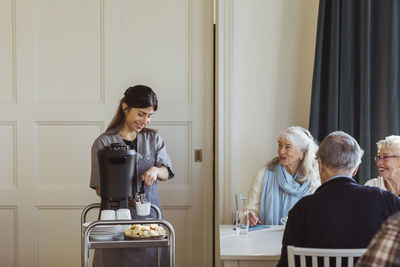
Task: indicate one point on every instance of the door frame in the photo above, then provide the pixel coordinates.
(225, 178)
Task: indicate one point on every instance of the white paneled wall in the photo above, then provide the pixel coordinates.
(64, 66)
(8, 162)
(265, 66)
(73, 28)
(8, 235)
(273, 59)
(67, 152)
(7, 51)
(154, 49)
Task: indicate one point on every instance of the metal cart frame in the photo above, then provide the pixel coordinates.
(87, 243)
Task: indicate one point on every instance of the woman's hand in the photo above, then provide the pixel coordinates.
(253, 219)
(150, 176)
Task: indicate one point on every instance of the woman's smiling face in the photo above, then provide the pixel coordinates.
(137, 118)
(388, 167)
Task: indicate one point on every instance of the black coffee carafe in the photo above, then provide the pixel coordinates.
(117, 164)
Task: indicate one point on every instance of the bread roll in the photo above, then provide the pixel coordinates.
(137, 230)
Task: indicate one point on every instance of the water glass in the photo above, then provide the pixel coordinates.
(242, 222)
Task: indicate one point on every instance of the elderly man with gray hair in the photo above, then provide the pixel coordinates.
(341, 213)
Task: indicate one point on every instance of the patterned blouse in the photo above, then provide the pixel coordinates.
(384, 249)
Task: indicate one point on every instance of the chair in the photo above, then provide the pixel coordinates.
(325, 253)
(241, 200)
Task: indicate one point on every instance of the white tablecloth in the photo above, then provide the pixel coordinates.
(264, 244)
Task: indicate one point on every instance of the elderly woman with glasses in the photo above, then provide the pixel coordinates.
(388, 163)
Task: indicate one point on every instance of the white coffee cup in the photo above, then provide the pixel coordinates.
(107, 215)
(284, 220)
(123, 214)
(143, 209)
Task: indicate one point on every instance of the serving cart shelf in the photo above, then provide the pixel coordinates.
(121, 242)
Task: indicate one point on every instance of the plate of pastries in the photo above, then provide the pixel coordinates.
(146, 231)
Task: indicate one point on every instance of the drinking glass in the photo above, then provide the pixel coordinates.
(242, 222)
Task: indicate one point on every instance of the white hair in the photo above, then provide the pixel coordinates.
(391, 143)
(305, 143)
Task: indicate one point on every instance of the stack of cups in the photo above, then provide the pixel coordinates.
(123, 214)
(107, 215)
(120, 214)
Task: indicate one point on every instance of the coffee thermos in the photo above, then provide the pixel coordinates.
(117, 164)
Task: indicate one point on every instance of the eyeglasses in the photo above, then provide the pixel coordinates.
(384, 158)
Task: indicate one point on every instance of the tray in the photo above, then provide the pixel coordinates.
(105, 237)
(158, 237)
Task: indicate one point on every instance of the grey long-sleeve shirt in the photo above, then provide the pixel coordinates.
(151, 151)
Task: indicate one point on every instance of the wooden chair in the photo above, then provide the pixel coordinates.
(325, 253)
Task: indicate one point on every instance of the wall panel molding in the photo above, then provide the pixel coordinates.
(14, 53)
(188, 88)
(181, 218)
(77, 123)
(14, 210)
(190, 56)
(99, 98)
(188, 154)
(13, 89)
(58, 207)
(177, 207)
(14, 184)
(37, 234)
(45, 142)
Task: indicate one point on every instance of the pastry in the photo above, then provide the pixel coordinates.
(145, 231)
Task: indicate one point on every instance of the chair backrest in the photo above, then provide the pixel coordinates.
(240, 201)
(325, 253)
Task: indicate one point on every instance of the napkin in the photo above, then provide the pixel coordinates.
(258, 227)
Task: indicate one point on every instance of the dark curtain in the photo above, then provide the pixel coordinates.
(356, 74)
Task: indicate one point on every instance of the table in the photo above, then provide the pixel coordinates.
(257, 248)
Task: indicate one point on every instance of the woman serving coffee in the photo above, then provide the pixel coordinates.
(154, 164)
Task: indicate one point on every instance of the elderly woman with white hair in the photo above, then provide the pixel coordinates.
(288, 177)
(388, 163)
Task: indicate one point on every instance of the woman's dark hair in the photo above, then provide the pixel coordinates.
(138, 96)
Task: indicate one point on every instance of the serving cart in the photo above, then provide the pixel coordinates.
(89, 243)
